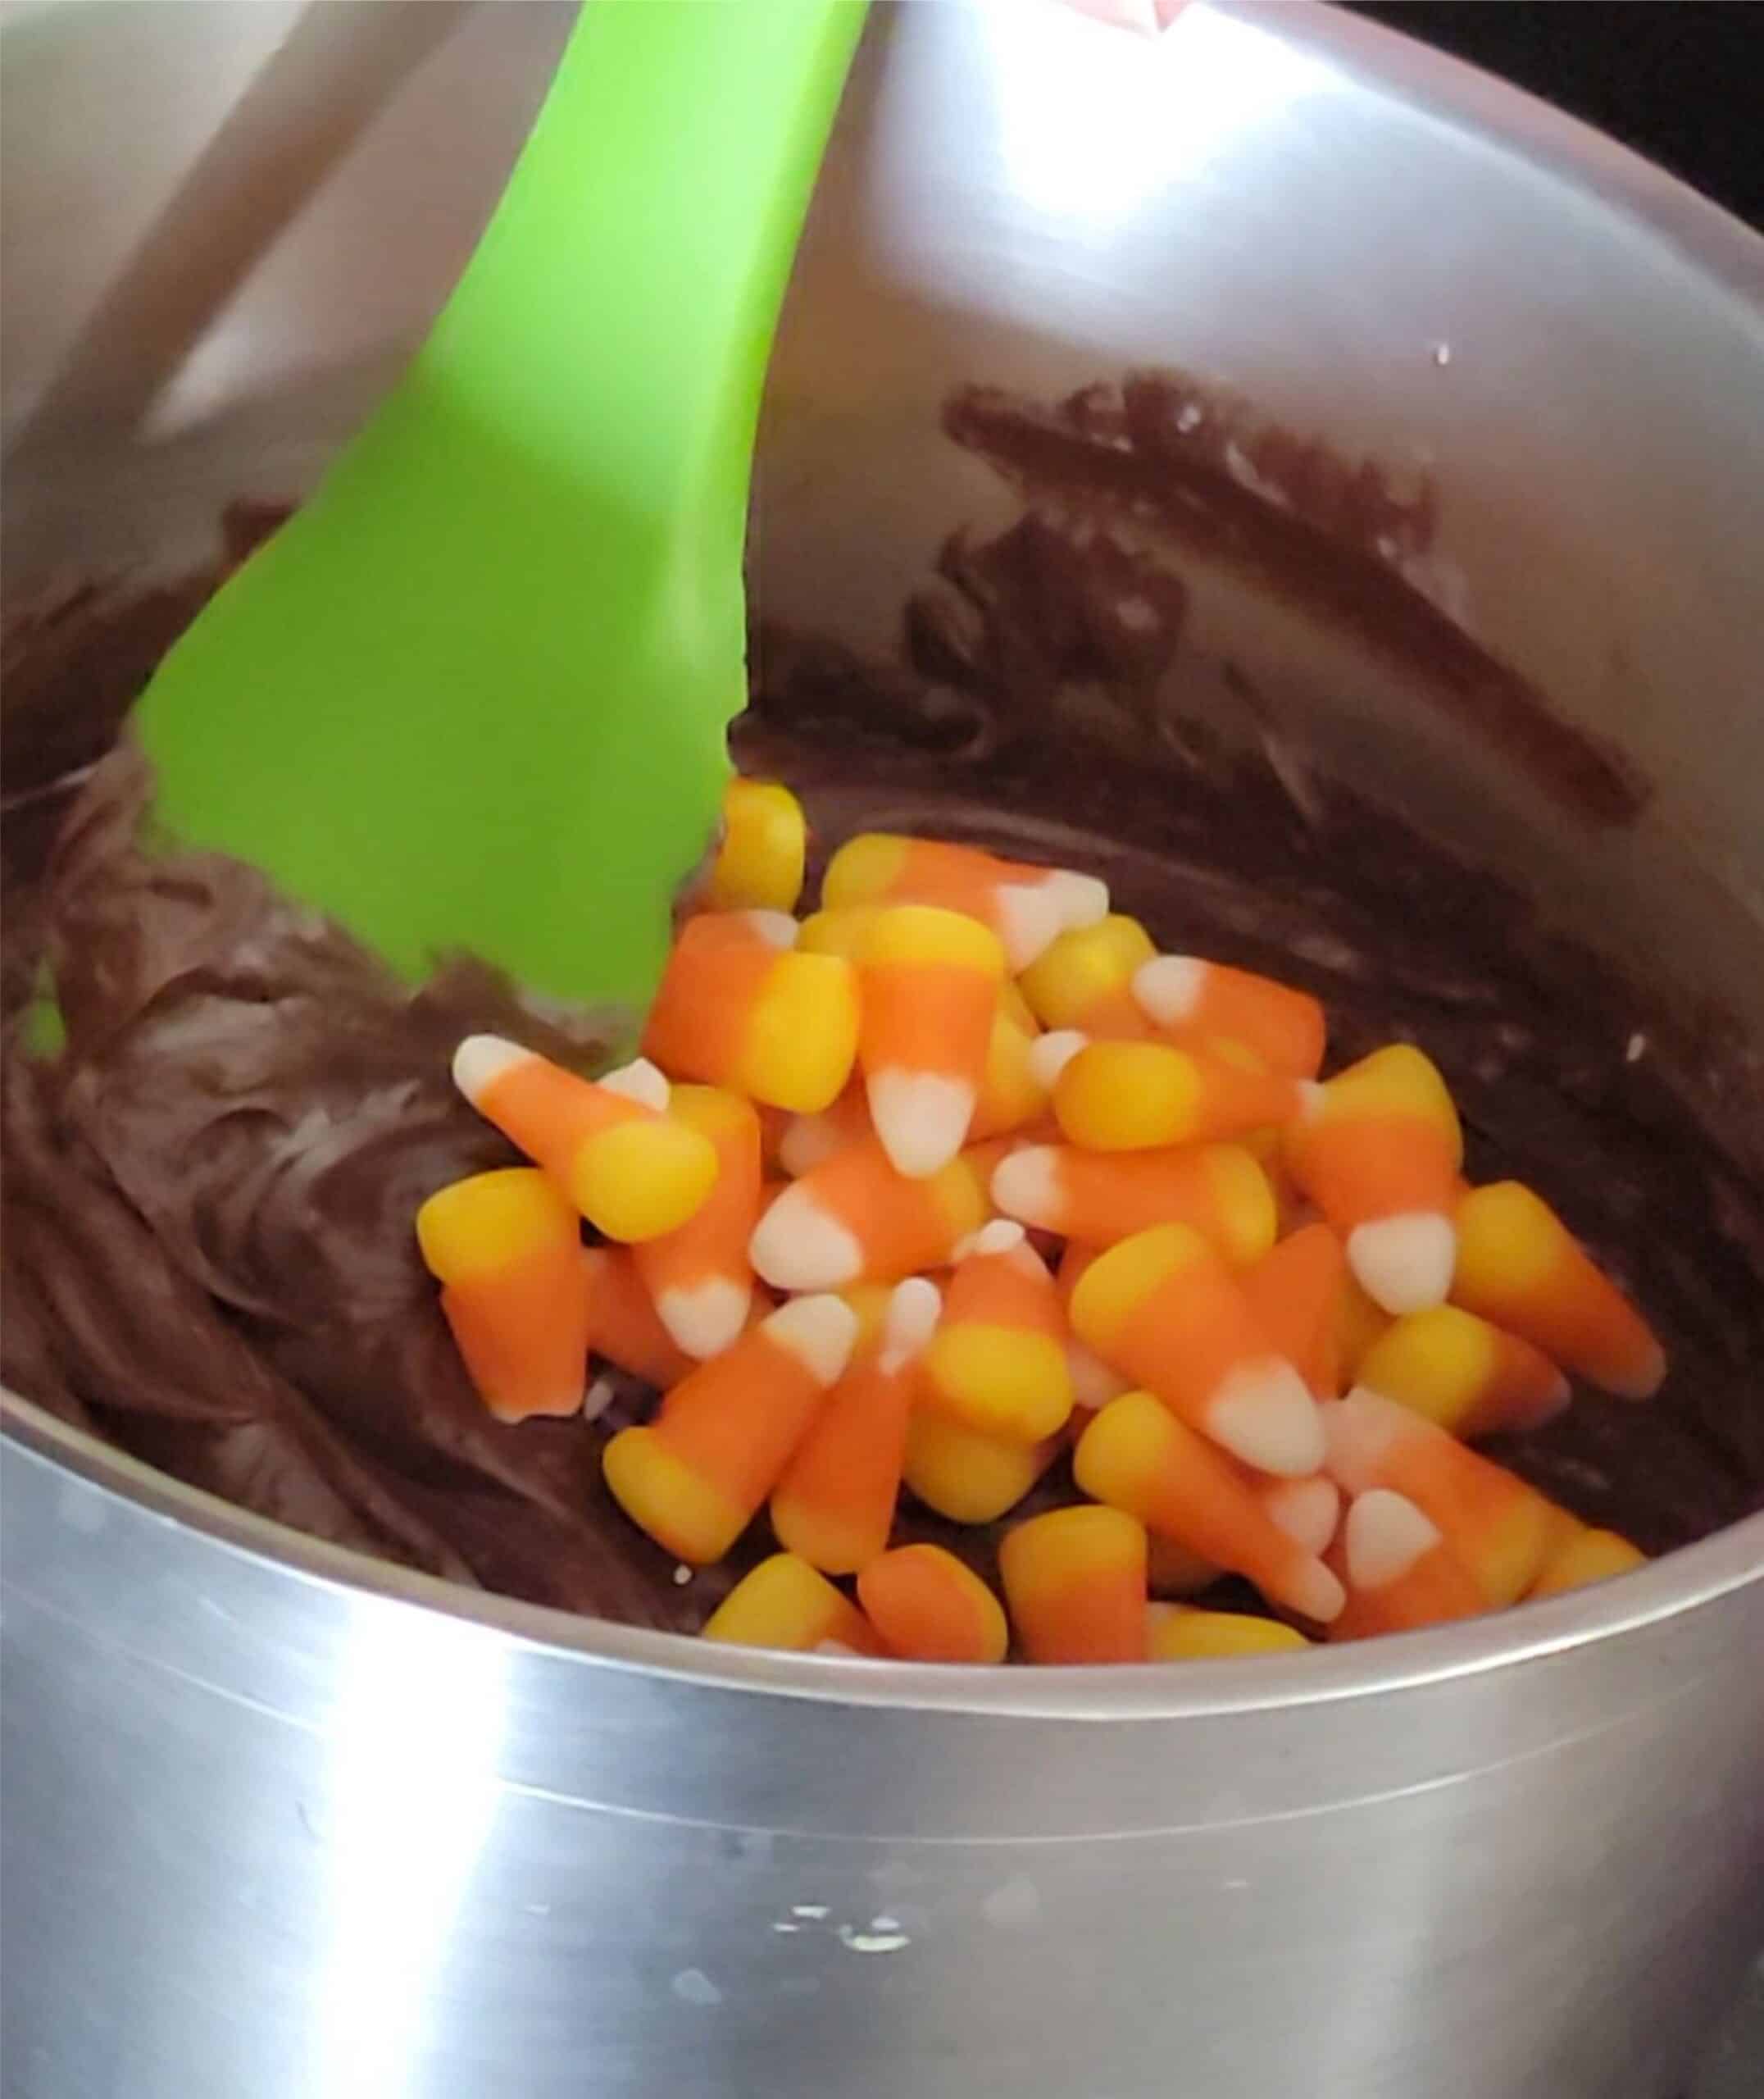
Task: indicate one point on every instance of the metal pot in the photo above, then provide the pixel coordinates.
(280, 1820)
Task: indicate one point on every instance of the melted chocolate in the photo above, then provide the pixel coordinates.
(209, 1188)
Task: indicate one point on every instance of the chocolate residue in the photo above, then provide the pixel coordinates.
(1294, 518)
(210, 1187)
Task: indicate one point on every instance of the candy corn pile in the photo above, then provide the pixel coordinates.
(957, 1175)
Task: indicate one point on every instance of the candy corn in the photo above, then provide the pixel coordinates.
(807, 1140)
(623, 1324)
(1074, 1582)
(1401, 1572)
(1138, 1457)
(1585, 1556)
(1358, 1323)
(1498, 1527)
(1026, 907)
(1142, 1096)
(785, 1603)
(739, 1007)
(632, 1171)
(759, 864)
(1012, 1093)
(699, 1275)
(1084, 979)
(969, 1478)
(837, 932)
(1200, 1002)
(695, 1477)
(928, 1607)
(1377, 1148)
(998, 1360)
(854, 1219)
(927, 987)
(1295, 1291)
(1463, 1373)
(870, 1303)
(835, 1503)
(1217, 1189)
(1178, 1632)
(1520, 1267)
(1163, 1309)
(506, 1249)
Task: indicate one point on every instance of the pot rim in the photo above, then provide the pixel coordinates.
(1731, 1560)
(1715, 245)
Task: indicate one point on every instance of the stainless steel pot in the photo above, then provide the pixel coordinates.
(281, 1821)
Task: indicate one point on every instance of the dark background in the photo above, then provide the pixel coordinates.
(1680, 80)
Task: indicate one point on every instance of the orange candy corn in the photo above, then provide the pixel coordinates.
(928, 1607)
(1217, 1189)
(695, 1477)
(1074, 1582)
(1520, 1266)
(1585, 1556)
(1401, 1572)
(1198, 1002)
(759, 864)
(834, 1506)
(1084, 980)
(506, 1249)
(1463, 1373)
(783, 1603)
(623, 1325)
(1026, 907)
(1377, 1148)
(1178, 1632)
(740, 1007)
(1295, 1291)
(807, 1140)
(854, 1219)
(928, 988)
(1501, 1529)
(1138, 1457)
(997, 1359)
(1143, 1096)
(631, 1170)
(969, 1478)
(1162, 1308)
(698, 1276)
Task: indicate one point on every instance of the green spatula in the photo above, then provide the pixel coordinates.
(474, 694)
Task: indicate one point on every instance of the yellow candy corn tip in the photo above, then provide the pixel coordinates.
(1176, 1632)
(1000, 1380)
(782, 1603)
(863, 869)
(969, 1478)
(801, 1034)
(490, 1222)
(639, 1179)
(1249, 1216)
(765, 847)
(926, 933)
(1128, 1096)
(1117, 1282)
(1591, 1556)
(665, 1498)
(1082, 965)
(1436, 1362)
(1509, 1240)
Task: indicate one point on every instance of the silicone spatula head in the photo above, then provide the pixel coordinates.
(474, 694)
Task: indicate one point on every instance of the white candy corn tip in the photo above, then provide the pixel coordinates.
(808, 1139)
(1026, 1185)
(1306, 1509)
(1049, 1054)
(1083, 899)
(639, 1081)
(1168, 987)
(777, 929)
(910, 1320)
(1356, 1433)
(819, 1332)
(921, 1118)
(1030, 920)
(1404, 1263)
(1316, 1592)
(481, 1060)
(703, 1318)
(797, 1246)
(1385, 1535)
(1004, 1235)
(1263, 1413)
(1094, 1383)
